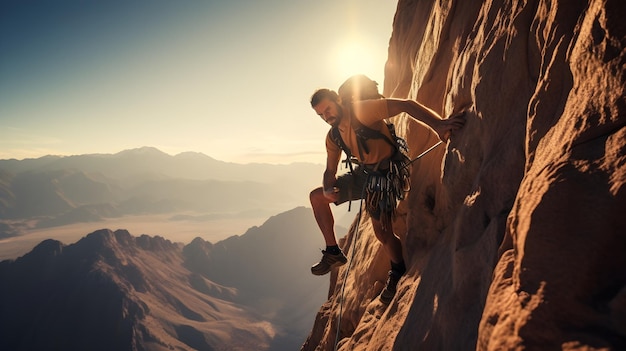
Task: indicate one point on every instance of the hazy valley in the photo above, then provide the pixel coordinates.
(181, 253)
(144, 191)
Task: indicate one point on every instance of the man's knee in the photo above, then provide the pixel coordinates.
(383, 235)
(317, 196)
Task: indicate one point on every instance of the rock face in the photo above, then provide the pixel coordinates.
(514, 232)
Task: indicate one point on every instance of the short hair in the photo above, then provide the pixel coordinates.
(323, 93)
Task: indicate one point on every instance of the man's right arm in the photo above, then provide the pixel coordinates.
(329, 183)
(333, 156)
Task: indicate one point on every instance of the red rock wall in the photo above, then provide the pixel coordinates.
(515, 230)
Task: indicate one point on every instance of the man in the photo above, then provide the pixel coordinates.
(360, 108)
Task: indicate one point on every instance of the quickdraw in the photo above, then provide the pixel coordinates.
(384, 189)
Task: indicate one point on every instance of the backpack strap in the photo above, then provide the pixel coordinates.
(364, 133)
(335, 136)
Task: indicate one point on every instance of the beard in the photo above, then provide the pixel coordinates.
(335, 120)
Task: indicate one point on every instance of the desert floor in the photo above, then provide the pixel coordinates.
(183, 231)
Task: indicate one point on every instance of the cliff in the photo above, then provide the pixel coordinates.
(513, 232)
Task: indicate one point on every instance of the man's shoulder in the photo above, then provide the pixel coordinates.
(370, 111)
(332, 139)
(368, 103)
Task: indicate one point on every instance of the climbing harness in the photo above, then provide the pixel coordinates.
(390, 176)
(373, 183)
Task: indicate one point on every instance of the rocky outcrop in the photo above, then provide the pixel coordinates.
(514, 231)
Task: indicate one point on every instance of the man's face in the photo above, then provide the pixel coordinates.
(331, 112)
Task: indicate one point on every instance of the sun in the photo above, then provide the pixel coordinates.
(356, 57)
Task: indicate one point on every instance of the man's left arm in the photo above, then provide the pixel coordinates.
(421, 113)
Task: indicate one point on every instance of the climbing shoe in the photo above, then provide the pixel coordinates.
(328, 262)
(390, 289)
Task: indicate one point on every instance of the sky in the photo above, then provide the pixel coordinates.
(230, 79)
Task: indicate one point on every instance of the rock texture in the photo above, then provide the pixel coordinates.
(514, 231)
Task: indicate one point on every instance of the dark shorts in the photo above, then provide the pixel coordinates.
(351, 186)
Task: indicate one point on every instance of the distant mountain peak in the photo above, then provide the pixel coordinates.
(48, 247)
(142, 151)
(122, 241)
(193, 155)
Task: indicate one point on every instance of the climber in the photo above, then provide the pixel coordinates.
(356, 115)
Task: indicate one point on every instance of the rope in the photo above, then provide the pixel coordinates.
(424, 153)
(345, 276)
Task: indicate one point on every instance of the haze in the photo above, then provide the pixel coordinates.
(230, 79)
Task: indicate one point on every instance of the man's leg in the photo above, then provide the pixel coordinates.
(393, 247)
(332, 256)
(391, 243)
(323, 215)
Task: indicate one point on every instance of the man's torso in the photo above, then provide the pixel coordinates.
(371, 114)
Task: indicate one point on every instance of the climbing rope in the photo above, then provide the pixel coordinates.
(345, 275)
(424, 153)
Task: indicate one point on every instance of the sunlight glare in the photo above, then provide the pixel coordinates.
(357, 57)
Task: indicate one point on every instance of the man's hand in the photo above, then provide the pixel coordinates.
(332, 194)
(445, 127)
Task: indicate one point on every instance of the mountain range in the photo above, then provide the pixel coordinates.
(58, 190)
(115, 291)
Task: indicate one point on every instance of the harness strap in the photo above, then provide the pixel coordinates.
(364, 133)
(398, 178)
